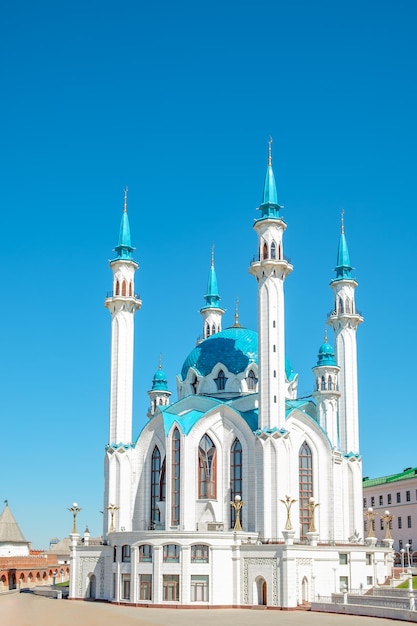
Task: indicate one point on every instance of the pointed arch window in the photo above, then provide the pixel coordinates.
(273, 250)
(251, 381)
(155, 486)
(213, 330)
(124, 288)
(329, 383)
(207, 330)
(207, 468)
(130, 289)
(175, 478)
(236, 467)
(117, 287)
(341, 309)
(265, 251)
(323, 383)
(305, 486)
(220, 381)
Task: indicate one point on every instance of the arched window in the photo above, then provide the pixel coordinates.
(341, 309)
(145, 553)
(155, 486)
(347, 305)
(175, 478)
(251, 381)
(279, 252)
(130, 289)
(265, 251)
(126, 554)
(273, 250)
(220, 381)
(117, 287)
(305, 486)
(213, 330)
(235, 476)
(329, 383)
(206, 468)
(124, 288)
(323, 383)
(171, 553)
(207, 330)
(199, 553)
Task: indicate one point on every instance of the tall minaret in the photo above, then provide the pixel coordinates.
(344, 319)
(270, 271)
(212, 313)
(122, 304)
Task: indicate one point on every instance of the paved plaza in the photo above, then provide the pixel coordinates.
(30, 610)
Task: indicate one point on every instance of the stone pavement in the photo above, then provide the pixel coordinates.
(29, 610)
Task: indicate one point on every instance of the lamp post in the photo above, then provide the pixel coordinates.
(237, 505)
(407, 547)
(387, 519)
(288, 504)
(74, 509)
(402, 558)
(370, 516)
(112, 508)
(312, 505)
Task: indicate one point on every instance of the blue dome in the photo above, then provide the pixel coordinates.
(326, 355)
(159, 382)
(235, 347)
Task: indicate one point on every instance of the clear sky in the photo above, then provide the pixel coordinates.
(177, 100)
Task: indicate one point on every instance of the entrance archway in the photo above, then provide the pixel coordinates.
(262, 591)
(304, 590)
(91, 587)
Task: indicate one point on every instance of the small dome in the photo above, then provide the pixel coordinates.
(159, 382)
(326, 355)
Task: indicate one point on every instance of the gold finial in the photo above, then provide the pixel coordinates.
(237, 312)
(342, 218)
(160, 362)
(212, 255)
(125, 200)
(270, 151)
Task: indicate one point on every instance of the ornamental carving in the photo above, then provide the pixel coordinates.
(272, 564)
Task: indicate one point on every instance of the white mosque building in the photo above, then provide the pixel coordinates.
(238, 493)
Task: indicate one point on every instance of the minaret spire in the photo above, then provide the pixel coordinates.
(270, 270)
(212, 312)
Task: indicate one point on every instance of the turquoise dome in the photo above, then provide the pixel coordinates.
(326, 355)
(235, 347)
(159, 382)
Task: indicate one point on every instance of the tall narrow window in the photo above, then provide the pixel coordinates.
(130, 289)
(220, 381)
(162, 483)
(175, 481)
(235, 476)
(306, 486)
(117, 287)
(213, 330)
(208, 330)
(155, 488)
(206, 468)
(124, 288)
(265, 251)
(251, 380)
(273, 250)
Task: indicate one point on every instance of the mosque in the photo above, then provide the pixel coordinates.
(239, 493)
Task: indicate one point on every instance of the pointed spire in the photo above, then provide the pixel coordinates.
(212, 297)
(270, 206)
(236, 324)
(343, 268)
(159, 381)
(124, 248)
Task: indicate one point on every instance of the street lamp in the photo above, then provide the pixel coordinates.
(74, 509)
(370, 516)
(112, 508)
(237, 505)
(402, 558)
(387, 519)
(312, 505)
(407, 547)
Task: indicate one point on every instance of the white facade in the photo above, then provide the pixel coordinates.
(238, 493)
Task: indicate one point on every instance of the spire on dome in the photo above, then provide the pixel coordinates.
(124, 248)
(212, 297)
(236, 324)
(343, 268)
(270, 206)
(326, 353)
(159, 381)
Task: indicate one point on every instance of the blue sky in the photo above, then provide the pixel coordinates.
(177, 101)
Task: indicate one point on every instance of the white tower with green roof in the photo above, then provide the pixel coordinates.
(344, 320)
(270, 270)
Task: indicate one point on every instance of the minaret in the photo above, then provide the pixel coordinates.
(270, 270)
(159, 394)
(344, 320)
(327, 392)
(212, 313)
(122, 304)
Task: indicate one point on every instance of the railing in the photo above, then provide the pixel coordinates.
(257, 258)
(334, 313)
(111, 294)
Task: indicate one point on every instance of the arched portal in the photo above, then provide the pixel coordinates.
(261, 591)
(91, 587)
(304, 590)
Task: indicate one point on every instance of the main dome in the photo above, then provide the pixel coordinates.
(235, 347)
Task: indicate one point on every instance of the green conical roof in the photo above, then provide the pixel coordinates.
(270, 207)
(343, 268)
